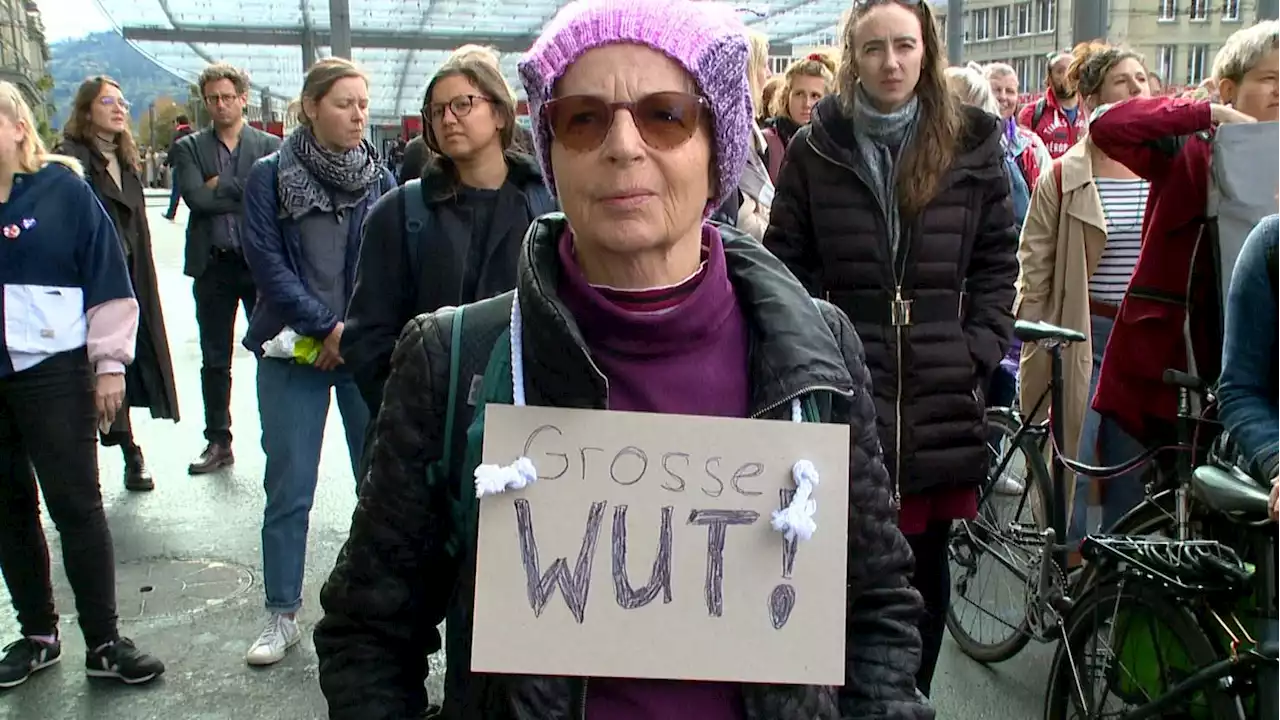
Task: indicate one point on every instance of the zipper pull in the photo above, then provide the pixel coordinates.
(900, 310)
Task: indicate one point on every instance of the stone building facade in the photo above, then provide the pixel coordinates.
(1178, 38)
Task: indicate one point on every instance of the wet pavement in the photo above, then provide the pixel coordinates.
(188, 570)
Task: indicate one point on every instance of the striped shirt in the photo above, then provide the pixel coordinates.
(1124, 202)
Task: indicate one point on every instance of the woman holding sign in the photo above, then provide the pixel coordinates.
(630, 301)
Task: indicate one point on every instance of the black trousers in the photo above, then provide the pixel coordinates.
(48, 424)
(933, 579)
(220, 290)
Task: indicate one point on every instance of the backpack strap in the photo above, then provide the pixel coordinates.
(451, 409)
(471, 346)
(414, 216)
(774, 152)
(1041, 105)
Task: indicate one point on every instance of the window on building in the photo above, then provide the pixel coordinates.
(1231, 10)
(1024, 19)
(1200, 10)
(967, 19)
(1039, 68)
(1020, 68)
(1165, 56)
(1197, 63)
(778, 64)
(982, 25)
(1168, 10)
(1046, 10)
(1002, 22)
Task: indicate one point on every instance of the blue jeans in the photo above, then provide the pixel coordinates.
(293, 403)
(1102, 442)
(173, 199)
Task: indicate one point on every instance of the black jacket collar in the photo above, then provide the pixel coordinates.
(438, 182)
(792, 350)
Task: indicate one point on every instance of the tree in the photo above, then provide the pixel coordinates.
(155, 126)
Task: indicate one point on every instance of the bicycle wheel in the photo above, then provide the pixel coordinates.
(1152, 642)
(1002, 542)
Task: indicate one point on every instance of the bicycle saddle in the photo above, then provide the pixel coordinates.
(1229, 492)
(1029, 332)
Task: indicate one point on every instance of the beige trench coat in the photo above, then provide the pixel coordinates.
(1061, 245)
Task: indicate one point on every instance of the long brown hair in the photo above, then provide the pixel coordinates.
(79, 125)
(929, 156)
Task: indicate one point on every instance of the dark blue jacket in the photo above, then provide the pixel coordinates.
(273, 251)
(59, 256)
(1248, 391)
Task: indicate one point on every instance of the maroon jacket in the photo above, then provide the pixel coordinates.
(1168, 141)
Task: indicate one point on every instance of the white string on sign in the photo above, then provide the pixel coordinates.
(493, 479)
(794, 521)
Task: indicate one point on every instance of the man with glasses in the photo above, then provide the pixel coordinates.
(210, 169)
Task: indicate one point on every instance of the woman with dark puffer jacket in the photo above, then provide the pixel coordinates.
(630, 301)
(894, 205)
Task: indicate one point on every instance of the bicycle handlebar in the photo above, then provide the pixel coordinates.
(1187, 381)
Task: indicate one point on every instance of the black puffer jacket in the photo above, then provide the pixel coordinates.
(394, 580)
(958, 263)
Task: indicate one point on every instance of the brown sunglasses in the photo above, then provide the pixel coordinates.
(666, 120)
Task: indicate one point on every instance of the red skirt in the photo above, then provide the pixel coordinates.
(949, 504)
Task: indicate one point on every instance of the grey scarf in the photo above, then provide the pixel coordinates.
(880, 139)
(312, 177)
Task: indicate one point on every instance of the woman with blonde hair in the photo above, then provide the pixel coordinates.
(304, 207)
(70, 323)
(755, 190)
(805, 82)
(466, 216)
(97, 134)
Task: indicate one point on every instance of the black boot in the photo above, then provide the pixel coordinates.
(137, 476)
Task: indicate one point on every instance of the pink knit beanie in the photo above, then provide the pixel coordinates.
(707, 42)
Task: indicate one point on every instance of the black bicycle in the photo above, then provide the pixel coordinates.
(1017, 533)
(1178, 628)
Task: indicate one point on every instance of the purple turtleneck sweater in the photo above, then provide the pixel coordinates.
(682, 350)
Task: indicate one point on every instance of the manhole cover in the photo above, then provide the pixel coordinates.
(164, 587)
(156, 588)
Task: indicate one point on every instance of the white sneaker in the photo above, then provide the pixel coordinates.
(1008, 486)
(280, 634)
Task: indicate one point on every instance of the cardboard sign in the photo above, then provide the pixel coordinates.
(645, 549)
(1243, 186)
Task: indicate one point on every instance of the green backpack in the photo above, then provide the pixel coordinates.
(480, 356)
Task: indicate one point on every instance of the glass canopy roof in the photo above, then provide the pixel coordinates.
(399, 73)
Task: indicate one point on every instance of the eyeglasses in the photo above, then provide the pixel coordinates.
(112, 101)
(461, 106)
(220, 99)
(666, 120)
(869, 3)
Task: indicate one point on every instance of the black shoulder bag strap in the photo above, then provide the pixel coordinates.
(414, 210)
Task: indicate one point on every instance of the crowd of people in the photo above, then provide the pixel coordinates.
(855, 236)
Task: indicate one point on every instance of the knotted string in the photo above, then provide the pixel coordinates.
(492, 479)
(793, 521)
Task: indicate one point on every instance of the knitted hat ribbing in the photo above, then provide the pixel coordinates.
(708, 43)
